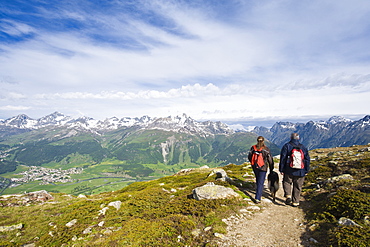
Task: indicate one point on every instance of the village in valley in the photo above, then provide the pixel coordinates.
(45, 175)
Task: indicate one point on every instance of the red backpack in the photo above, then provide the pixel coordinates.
(296, 158)
(257, 157)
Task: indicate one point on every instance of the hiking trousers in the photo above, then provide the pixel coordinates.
(297, 182)
(260, 180)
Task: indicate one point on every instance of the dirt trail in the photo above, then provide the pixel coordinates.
(276, 224)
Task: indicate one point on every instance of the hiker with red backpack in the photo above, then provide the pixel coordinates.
(294, 165)
(260, 158)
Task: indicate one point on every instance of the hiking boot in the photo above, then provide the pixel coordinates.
(258, 201)
(288, 201)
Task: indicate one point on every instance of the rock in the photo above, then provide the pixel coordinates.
(81, 196)
(367, 220)
(313, 240)
(212, 191)
(243, 210)
(41, 195)
(11, 228)
(101, 223)
(219, 235)
(347, 222)
(87, 230)
(107, 232)
(71, 223)
(103, 211)
(207, 228)
(196, 232)
(220, 174)
(266, 200)
(254, 208)
(116, 204)
(337, 178)
(29, 245)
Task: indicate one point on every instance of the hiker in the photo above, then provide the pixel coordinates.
(294, 165)
(260, 158)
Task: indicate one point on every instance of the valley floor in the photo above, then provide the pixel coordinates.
(276, 224)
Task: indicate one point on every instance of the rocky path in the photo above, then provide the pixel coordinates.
(270, 224)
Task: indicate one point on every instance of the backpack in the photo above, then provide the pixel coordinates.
(257, 157)
(296, 158)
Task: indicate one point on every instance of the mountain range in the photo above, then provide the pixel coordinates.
(335, 132)
(138, 145)
(144, 148)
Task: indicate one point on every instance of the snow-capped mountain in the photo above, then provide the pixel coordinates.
(172, 123)
(335, 132)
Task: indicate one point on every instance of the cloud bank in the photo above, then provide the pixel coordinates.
(211, 60)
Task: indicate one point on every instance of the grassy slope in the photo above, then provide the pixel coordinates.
(329, 201)
(159, 212)
(153, 213)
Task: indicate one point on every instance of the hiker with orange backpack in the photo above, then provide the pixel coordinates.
(294, 165)
(260, 158)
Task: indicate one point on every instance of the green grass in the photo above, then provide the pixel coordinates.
(151, 214)
(344, 198)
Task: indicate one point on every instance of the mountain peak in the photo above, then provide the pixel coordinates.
(337, 119)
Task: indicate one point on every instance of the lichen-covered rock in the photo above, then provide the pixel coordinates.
(11, 228)
(212, 191)
(41, 195)
(337, 178)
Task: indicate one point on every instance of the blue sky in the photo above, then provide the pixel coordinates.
(218, 60)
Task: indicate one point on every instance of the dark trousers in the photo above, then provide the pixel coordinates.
(297, 182)
(260, 180)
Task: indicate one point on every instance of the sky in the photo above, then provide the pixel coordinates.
(227, 60)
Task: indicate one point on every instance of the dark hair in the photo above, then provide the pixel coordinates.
(260, 142)
(294, 136)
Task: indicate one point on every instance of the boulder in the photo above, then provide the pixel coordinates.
(115, 204)
(212, 191)
(41, 195)
(347, 222)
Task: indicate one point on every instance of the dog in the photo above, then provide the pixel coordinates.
(273, 184)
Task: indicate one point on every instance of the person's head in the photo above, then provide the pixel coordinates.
(260, 141)
(294, 136)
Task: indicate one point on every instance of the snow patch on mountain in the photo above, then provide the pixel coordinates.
(181, 123)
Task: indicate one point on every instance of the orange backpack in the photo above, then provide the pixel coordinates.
(257, 157)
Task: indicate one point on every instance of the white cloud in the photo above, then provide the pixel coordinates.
(14, 108)
(196, 58)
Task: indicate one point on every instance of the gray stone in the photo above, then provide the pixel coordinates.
(254, 208)
(71, 223)
(11, 228)
(212, 191)
(41, 195)
(340, 177)
(220, 174)
(87, 230)
(116, 204)
(196, 232)
(103, 211)
(347, 222)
